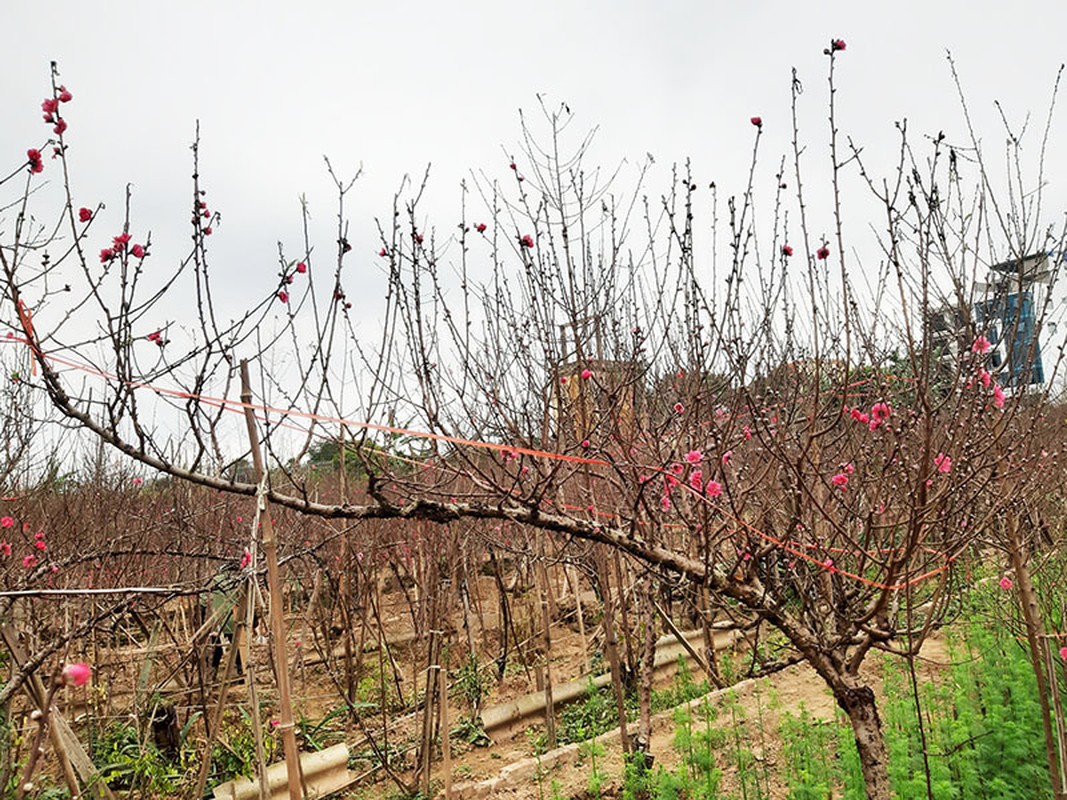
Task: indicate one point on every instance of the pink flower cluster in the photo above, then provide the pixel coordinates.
(50, 107)
(879, 413)
(118, 247)
(980, 347)
(39, 544)
(301, 268)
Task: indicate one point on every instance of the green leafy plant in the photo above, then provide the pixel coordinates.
(125, 762)
(324, 733)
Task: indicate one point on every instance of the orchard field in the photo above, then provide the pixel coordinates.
(627, 491)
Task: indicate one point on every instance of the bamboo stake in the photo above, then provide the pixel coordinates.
(227, 672)
(343, 589)
(546, 622)
(571, 574)
(446, 745)
(277, 610)
(611, 645)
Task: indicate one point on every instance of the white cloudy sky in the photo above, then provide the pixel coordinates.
(396, 86)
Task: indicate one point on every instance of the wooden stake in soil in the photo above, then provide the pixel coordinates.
(611, 645)
(546, 622)
(277, 609)
(239, 618)
(446, 745)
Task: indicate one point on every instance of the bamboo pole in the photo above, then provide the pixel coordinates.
(239, 618)
(546, 622)
(446, 745)
(277, 610)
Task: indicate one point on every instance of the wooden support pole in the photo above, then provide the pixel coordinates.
(220, 706)
(277, 609)
(700, 662)
(446, 745)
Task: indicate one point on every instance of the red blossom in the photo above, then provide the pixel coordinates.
(5, 548)
(301, 267)
(881, 411)
(61, 126)
(840, 480)
(757, 121)
(837, 44)
(137, 251)
(943, 463)
(29, 561)
(120, 242)
(283, 295)
(6, 522)
(527, 241)
(480, 227)
(822, 253)
(208, 231)
(696, 478)
(678, 408)
(981, 345)
(1005, 583)
(34, 157)
(714, 488)
(106, 255)
(787, 250)
(84, 214)
(383, 252)
(64, 95)
(77, 674)
(50, 105)
(587, 374)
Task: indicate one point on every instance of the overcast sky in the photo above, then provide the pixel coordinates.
(396, 86)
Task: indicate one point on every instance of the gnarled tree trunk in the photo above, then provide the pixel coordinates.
(857, 700)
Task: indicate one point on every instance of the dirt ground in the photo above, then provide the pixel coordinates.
(506, 768)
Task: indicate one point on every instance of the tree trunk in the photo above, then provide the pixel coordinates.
(858, 702)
